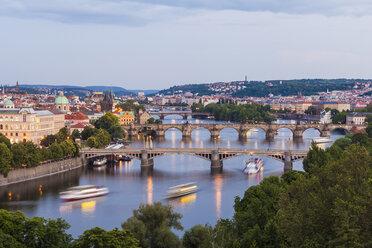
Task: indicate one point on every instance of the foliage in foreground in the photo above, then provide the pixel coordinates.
(27, 154)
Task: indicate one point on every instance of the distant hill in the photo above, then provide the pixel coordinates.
(264, 88)
(117, 90)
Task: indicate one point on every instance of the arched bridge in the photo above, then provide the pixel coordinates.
(184, 114)
(215, 129)
(215, 156)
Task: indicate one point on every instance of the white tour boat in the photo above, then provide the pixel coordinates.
(319, 140)
(100, 162)
(83, 192)
(180, 190)
(253, 166)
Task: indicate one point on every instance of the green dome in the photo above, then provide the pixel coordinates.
(61, 99)
(8, 103)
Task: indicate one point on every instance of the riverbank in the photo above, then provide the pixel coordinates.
(43, 170)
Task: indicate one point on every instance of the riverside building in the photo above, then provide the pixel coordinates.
(27, 124)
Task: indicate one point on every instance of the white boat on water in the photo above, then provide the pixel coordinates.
(83, 192)
(319, 140)
(180, 190)
(100, 162)
(253, 166)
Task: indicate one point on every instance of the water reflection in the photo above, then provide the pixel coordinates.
(86, 206)
(149, 190)
(183, 200)
(218, 182)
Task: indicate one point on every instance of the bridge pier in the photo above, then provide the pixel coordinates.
(160, 132)
(325, 133)
(216, 163)
(297, 134)
(215, 134)
(161, 117)
(184, 117)
(270, 134)
(288, 164)
(145, 160)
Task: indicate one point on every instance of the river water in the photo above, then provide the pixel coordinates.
(129, 186)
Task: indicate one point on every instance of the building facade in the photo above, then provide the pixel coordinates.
(356, 119)
(27, 124)
(126, 118)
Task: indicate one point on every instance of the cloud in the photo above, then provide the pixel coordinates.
(140, 12)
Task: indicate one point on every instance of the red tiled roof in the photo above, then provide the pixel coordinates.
(76, 116)
(82, 125)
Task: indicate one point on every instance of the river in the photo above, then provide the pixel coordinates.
(129, 187)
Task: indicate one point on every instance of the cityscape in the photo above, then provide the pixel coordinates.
(185, 124)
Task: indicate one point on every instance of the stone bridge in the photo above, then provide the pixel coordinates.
(215, 156)
(242, 129)
(184, 114)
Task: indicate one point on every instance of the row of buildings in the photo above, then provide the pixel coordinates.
(32, 117)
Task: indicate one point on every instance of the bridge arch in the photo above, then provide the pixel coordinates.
(285, 132)
(196, 131)
(311, 131)
(229, 132)
(339, 129)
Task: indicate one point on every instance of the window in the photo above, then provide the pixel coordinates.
(24, 134)
(11, 134)
(16, 134)
(24, 118)
(1, 126)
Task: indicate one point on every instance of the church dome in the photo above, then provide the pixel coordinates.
(61, 99)
(8, 103)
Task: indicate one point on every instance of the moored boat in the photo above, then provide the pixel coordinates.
(83, 192)
(100, 162)
(253, 166)
(180, 190)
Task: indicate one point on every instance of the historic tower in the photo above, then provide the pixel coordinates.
(107, 102)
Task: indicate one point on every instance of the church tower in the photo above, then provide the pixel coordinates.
(107, 102)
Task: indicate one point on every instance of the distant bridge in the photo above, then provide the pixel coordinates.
(215, 156)
(242, 129)
(184, 114)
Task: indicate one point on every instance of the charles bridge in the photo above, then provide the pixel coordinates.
(242, 129)
(184, 114)
(215, 156)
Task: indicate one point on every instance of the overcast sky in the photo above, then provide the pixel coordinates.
(156, 44)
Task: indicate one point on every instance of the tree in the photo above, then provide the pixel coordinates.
(151, 120)
(99, 238)
(369, 130)
(116, 132)
(5, 140)
(5, 159)
(197, 237)
(103, 137)
(62, 135)
(36, 232)
(93, 142)
(76, 134)
(331, 208)
(48, 140)
(311, 110)
(25, 154)
(88, 132)
(151, 225)
(339, 118)
(316, 158)
(106, 121)
(343, 143)
(255, 215)
(68, 147)
(56, 151)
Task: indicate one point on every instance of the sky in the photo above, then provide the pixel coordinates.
(156, 44)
